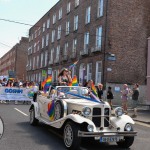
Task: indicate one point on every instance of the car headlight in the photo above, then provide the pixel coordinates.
(86, 111)
(118, 111)
(128, 127)
(90, 128)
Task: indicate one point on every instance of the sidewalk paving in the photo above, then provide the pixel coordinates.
(143, 115)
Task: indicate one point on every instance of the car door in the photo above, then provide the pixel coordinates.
(41, 101)
(49, 109)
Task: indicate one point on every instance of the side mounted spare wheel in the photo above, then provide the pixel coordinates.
(58, 110)
(33, 120)
(71, 139)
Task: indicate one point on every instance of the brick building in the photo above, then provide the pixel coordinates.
(95, 32)
(15, 60)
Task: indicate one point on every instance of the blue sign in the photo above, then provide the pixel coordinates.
(13, 91)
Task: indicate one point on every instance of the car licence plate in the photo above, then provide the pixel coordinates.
(109, 139)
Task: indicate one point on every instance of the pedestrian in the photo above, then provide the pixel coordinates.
(100, 90)
(110, 97)
(16, 84)
(35, 89)
(64, 77)
(124, 98)
(135, 96)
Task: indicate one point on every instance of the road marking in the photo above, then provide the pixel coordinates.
(20, 111)
(142, 124)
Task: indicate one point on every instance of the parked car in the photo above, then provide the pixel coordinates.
(79, 115)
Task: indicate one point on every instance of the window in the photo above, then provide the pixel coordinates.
(51, 56)
(43, 42)
(38, 46)
(33, 63)
(67, 27)
(29, 38)
(75, 22)
(74, 45)
(100, 8)
(47, 39)
(98, 72)
(86, 40)
(99, 37)
(87, 16)
(54, 18)
(57, 53)
(76, 3)
(41, 65)
(30, 64)
(37, 61)
(53, 35)
(89, 71)
(60, 14)
(39, 31)
(46, 57)
(43, 27)
(59, 32)
(40, 76)
(48, 23)
(36, 76)
(35, 33)
(34, 50)
(66, 49)
(29, 50)
(68, 7)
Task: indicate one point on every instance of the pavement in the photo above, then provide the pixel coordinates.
(143, 115)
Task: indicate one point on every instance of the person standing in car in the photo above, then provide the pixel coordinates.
(64, 77)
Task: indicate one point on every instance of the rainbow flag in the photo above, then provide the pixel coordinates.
(74, 82)
(73, 65)
(43, 83)
(47, 83)
(94, 91)
(50, 111)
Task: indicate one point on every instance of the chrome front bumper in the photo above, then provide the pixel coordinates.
(106, 134)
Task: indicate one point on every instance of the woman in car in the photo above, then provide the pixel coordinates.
(64, 77)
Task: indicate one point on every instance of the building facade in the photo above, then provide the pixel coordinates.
(14, 61)
(107, 37)
(148, 74)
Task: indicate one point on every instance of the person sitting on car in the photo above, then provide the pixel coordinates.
(64, 77)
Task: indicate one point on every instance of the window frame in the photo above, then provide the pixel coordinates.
(88, 15)
(100, 8)
(97, 72)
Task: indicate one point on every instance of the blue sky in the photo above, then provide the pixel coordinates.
(25, 11)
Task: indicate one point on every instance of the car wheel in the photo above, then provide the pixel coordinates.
(58, 110)
(33, 120)
(71, 139)
(126, 142)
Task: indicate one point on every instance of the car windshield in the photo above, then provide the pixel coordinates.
(72, 92)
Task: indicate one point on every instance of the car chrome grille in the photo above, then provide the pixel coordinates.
(106, 120)
(97, 120)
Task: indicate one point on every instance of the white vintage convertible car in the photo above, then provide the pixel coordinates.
(79, 115)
